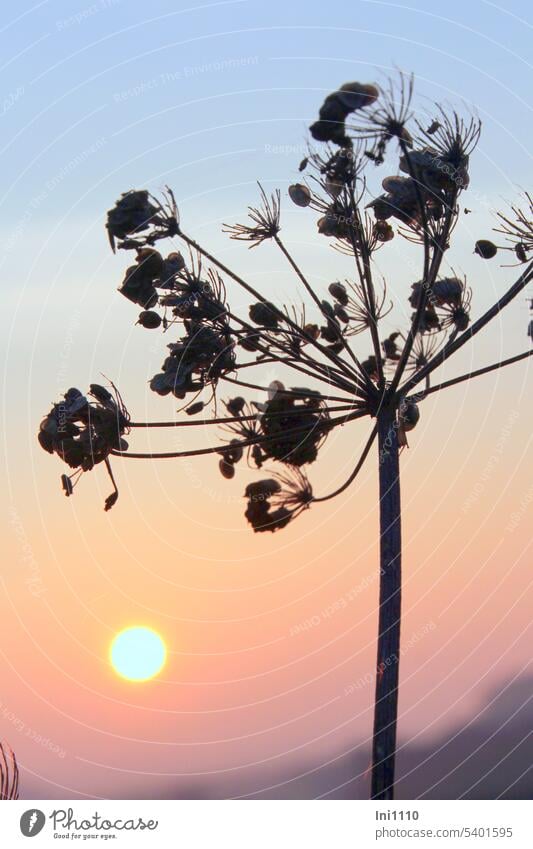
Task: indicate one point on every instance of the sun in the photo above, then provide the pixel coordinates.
(137, 653)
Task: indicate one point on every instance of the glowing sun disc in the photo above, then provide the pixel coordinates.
(138, 654)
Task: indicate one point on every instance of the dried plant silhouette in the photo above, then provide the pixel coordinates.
(9, 774)
(359, 127)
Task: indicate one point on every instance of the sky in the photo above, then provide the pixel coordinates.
(271, 640)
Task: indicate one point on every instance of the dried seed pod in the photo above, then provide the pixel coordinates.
(272, 521)
(132, 213)
(485, 249)
(328, 309)
(330, 332)
(382, 209)
(397, 185)
(172, 265)
(161, 384)
(257, 455)
(430, 320)
(66, 483)
(312, 330)
(409, 415)
(138, 287)
(100, 393)
(193, 409)
(110, 501)
(150, 261)
(300, 194)
(227, 469)
(331, 225)
(275, 387)
(433, 127)
(449, 290)
(357, 95)
(235, 406)
(338, 291)
(341, 314)
(461, 318)
(46, 441)
(382, 231)
(390, 347)
(262, 490)
(370, 366)
(265, 314)
(233, 452)
(250, 342)
(520, 251)
(149, 319)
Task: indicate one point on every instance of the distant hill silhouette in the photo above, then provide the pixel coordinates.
(488, 758)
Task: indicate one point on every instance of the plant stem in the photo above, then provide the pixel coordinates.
(360, 370)
(234, 419)
(326, 425)
(457, 342)
(354, 473)
(477, 373)
(388, 653)
(224, 268)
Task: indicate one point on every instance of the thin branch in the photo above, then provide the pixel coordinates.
(330, 374)
(355, 472)
(361, 372)
(454, 344)
(429, 280)
(477, 373)
(329, 354)
(244, 443)
(294, 392)
(323, 373)
(367, 284)
(233, 419)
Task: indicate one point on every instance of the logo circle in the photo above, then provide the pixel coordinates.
(32, 822)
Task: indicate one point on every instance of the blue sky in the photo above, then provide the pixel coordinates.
(137, 91)
(209, 97)
(102, 97)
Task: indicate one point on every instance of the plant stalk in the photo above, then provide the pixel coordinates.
(388, 653)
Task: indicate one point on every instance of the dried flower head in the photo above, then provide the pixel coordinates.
(519, 230)
(199, 359)
(349, 98)
(402, 200)
(388, 119)
(425, 346)
(265, 221)
(274, 502)
(351, 307)
(84, 431)
(451, 144)
(138, 211)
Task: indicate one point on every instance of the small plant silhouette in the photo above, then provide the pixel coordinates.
(9, 774)
(357, 125)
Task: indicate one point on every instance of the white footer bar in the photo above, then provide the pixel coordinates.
(267, 824)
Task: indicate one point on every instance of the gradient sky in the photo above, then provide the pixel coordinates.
(100, 98)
